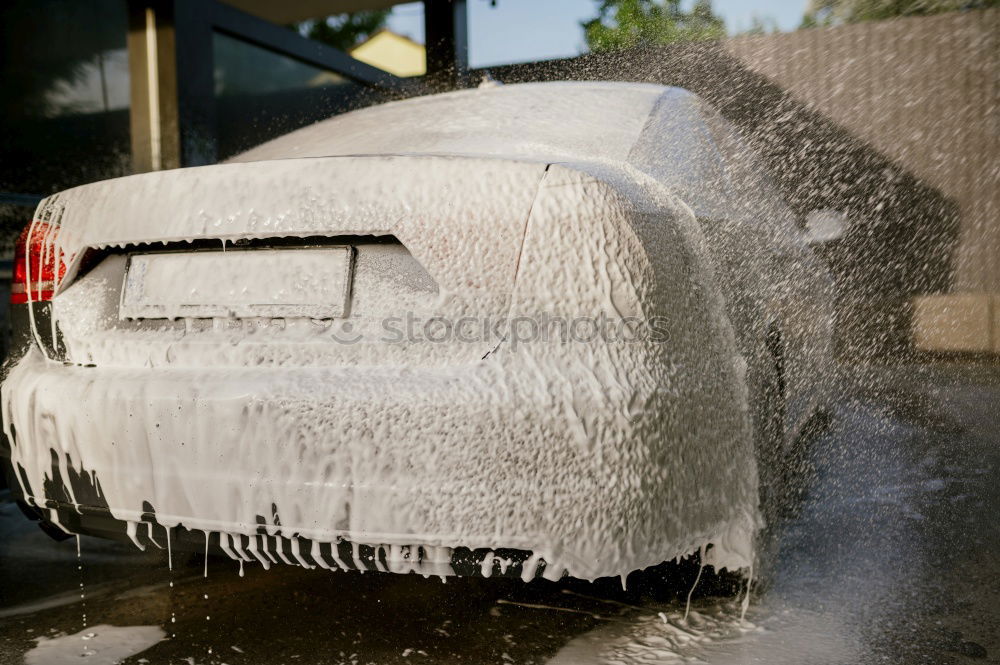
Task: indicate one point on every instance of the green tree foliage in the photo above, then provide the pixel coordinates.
(342, 31)
(627, 23)
(761, 26)
(836, 12)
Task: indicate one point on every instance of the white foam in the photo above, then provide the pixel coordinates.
(99, 645)
(599, 457)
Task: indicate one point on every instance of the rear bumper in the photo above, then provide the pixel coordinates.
(440, 461)
(299, 454)
(267, 549)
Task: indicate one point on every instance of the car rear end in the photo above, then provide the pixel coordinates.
(209, 345)
(310, 361)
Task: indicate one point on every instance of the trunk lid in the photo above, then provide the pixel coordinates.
(430, 241)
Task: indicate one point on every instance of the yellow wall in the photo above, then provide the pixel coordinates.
(393, 53)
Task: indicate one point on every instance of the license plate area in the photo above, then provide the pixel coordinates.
(308, 282)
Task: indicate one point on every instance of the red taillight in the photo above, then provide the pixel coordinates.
(35, 264)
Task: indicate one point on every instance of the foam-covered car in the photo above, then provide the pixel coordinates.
(543, 329)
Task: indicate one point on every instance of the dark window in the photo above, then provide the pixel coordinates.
(65, 101)
(261, 94)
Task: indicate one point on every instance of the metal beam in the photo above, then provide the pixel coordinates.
(283, 40)
(446, 36)
(194, 62)
(171, 67)
(153, 81)
(292, 11)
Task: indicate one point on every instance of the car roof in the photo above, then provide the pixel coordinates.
(551, 121)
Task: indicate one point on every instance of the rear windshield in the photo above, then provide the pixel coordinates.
(552, 121)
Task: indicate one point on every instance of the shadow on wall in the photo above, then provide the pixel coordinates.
(903, 233)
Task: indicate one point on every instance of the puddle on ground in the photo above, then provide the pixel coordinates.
(100, 645)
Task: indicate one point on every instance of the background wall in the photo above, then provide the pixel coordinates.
(925, 92)
(895, 123)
